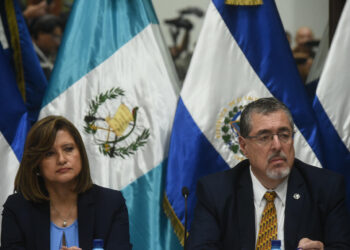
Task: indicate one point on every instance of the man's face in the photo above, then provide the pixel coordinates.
(304, 35)
(271, 160)
(49, 42)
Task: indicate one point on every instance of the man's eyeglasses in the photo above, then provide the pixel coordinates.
(267, 138)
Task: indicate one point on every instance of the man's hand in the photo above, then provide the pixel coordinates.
(307, 244)
(35, 10)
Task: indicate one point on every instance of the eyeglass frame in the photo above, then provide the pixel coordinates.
(271, 136)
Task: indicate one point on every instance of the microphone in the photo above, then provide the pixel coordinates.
(185, 193)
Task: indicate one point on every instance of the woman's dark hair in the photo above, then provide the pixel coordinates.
(39, 140)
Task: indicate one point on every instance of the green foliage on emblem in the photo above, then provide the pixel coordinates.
(90, 118)
(228, 137)
(108, 146)
(112, 151)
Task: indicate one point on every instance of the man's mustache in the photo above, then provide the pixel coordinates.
(277, 155)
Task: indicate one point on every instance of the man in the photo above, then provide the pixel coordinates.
(46, 32)
(303, 35)
(303, 51)
(304, 62)
(309, 203)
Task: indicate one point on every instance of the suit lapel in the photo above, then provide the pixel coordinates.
(41, 223)
(246, 211)
(86, 219)
(295, 208)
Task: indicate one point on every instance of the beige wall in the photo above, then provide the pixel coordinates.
(297, 13)
(294, 13)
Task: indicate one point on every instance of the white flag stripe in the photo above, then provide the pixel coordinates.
(3, 39)
(334, 88)
(8, 169)
(142, 77)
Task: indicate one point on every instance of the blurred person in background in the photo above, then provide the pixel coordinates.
(304, 63)
(304, 34)
(32, 11)
(46, 32)
(303, 51)
(36, 8)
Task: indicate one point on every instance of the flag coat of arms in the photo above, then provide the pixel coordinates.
(22, 88)
(115, 81)
(242, 54)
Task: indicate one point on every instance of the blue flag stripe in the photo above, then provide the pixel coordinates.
(17, 115)
(180, 162)
(100, 37)
(337, 155)
(273, 62)
(11, 109)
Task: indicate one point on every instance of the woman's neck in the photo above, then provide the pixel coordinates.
(62, 193)
(63, 206)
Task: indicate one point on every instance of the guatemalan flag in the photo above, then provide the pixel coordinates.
(115, 81)
(242, 54)
(332, 103)
(23, 85)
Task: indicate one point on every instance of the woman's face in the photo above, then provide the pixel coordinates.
(62, 163)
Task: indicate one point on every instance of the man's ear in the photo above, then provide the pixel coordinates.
(243, 145)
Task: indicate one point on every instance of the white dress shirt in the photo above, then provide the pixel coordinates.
(259, 203)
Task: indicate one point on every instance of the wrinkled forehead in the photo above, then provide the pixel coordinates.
(277, 120)
(304, 33)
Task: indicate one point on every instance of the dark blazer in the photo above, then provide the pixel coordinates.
(224, 215)
(102, 214)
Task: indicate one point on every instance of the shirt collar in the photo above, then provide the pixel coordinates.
(259, 190)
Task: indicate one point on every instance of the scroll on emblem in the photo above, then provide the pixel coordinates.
(244, 2)
(121, 120)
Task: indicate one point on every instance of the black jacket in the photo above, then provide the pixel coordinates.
(102, 214)
(224, 215)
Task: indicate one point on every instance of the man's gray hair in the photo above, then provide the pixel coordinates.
(263, 106)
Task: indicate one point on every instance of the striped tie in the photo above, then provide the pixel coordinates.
(268, 223)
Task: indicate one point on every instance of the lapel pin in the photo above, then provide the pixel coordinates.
(296, 196)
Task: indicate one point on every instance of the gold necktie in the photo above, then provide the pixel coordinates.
(268, 223)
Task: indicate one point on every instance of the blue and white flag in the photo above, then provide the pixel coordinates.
(115, 81)
(23, 85)
(242, 54)
(332, 105)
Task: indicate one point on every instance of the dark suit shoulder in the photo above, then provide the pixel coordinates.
(317, 177)
(313, 169)
(102, 196)
(223, 181)
(16, 198)
(17, 201)
(221, 188)
(221, 197)
(107, 193)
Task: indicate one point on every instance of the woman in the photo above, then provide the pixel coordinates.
(55, 205)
